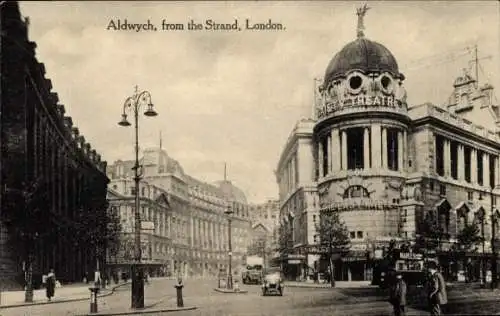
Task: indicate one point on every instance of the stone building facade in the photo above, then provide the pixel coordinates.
(195, 240)
(385, 165)
(51, 177)
(265, 223)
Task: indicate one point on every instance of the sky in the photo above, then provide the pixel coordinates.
(235, 97)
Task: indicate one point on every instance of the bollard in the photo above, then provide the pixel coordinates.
(179, 286)
(93, 299)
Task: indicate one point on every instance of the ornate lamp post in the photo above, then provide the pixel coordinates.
(133, 104)
(229, 284)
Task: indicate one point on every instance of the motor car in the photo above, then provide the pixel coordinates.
(272, 283)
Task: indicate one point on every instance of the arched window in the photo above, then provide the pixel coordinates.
(356, 191)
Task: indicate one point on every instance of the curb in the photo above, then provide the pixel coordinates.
(111, 292)
(151, 311)
(230, 292)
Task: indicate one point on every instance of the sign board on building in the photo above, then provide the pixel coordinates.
(410, 255)
(378, 254)
(294, 261)
(145, 225)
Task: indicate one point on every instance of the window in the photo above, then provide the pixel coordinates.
(325, 156)
(352, 235)
(431, 185)
(314, 218)
(442, 189)
(492, 170)
(480, 196)
(115, 186)
(479, 158)
(132, 191)
(470, 196)
(439, 155)
(454, 159)
(409, 162)
(356, 191)
(360, 235)
(143, 191)
(355, 149)
(315, 238)
(392, 149)
(467, 163)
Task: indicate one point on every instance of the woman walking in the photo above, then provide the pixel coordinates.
(50, 284)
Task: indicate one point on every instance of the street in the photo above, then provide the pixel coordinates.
(160, 294)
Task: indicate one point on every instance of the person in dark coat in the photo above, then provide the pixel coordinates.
(398, 295)
(50, 284)
(437, 289)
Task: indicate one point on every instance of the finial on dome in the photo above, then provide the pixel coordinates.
(361, 12)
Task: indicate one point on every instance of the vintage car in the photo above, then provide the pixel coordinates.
(272, 283)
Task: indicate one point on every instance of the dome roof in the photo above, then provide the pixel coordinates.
(232, 192)
(363, 55)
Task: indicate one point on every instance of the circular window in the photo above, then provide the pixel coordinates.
(355, 82)
(386, 83)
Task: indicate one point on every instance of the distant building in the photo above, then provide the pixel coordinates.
(385, 166)
(265, 222)
(197, 243)
(51, 177)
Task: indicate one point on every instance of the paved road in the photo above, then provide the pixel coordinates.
(296, 301)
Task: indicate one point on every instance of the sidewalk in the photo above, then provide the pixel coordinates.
(338, 284)
(68, 293)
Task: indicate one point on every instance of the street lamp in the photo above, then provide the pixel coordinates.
(494, 221)
(133, 104)
(229, 284)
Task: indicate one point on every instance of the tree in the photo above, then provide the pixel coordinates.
(469, 236)
(334, 235)
(431, 234)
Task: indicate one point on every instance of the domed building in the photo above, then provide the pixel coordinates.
(387, 167)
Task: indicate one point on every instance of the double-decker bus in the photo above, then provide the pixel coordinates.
(410, 265)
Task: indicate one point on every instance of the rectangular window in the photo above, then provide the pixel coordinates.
(132, 191)
(479, 159)
(360, 235)
(492, 170)
(355, 148)
(392, 149)
(470, 196)
(454, 159)
(352, 235)
(442, 189)
(431, 185)
(467, 163)
(325, 156)
(314, 218)
(439, 155)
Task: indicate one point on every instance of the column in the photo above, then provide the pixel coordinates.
(344, 150)
(473, 168)
(486, 170)
(329, 153)
(335, 138)
(446, 158)
(383, 149)
(366, 149)
(192, 232)
(320, 158)
(461, 163)
(376, 147)
(400, 151)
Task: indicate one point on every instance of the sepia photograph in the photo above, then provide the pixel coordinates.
(284, 158)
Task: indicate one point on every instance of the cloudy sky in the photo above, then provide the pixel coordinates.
(235, 96)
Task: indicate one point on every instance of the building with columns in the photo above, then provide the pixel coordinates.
(52, 182)
(194, 238)
(386, 165)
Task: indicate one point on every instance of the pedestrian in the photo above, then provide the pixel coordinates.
(50, 284)
(398, 295)
(436, 290)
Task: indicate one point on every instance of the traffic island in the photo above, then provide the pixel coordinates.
(230, 291)
(146, 311)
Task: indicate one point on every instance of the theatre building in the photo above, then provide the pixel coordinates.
(386, 165)
(51, 178)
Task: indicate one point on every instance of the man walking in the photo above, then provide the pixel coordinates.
(398, 295)
(437, 289)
